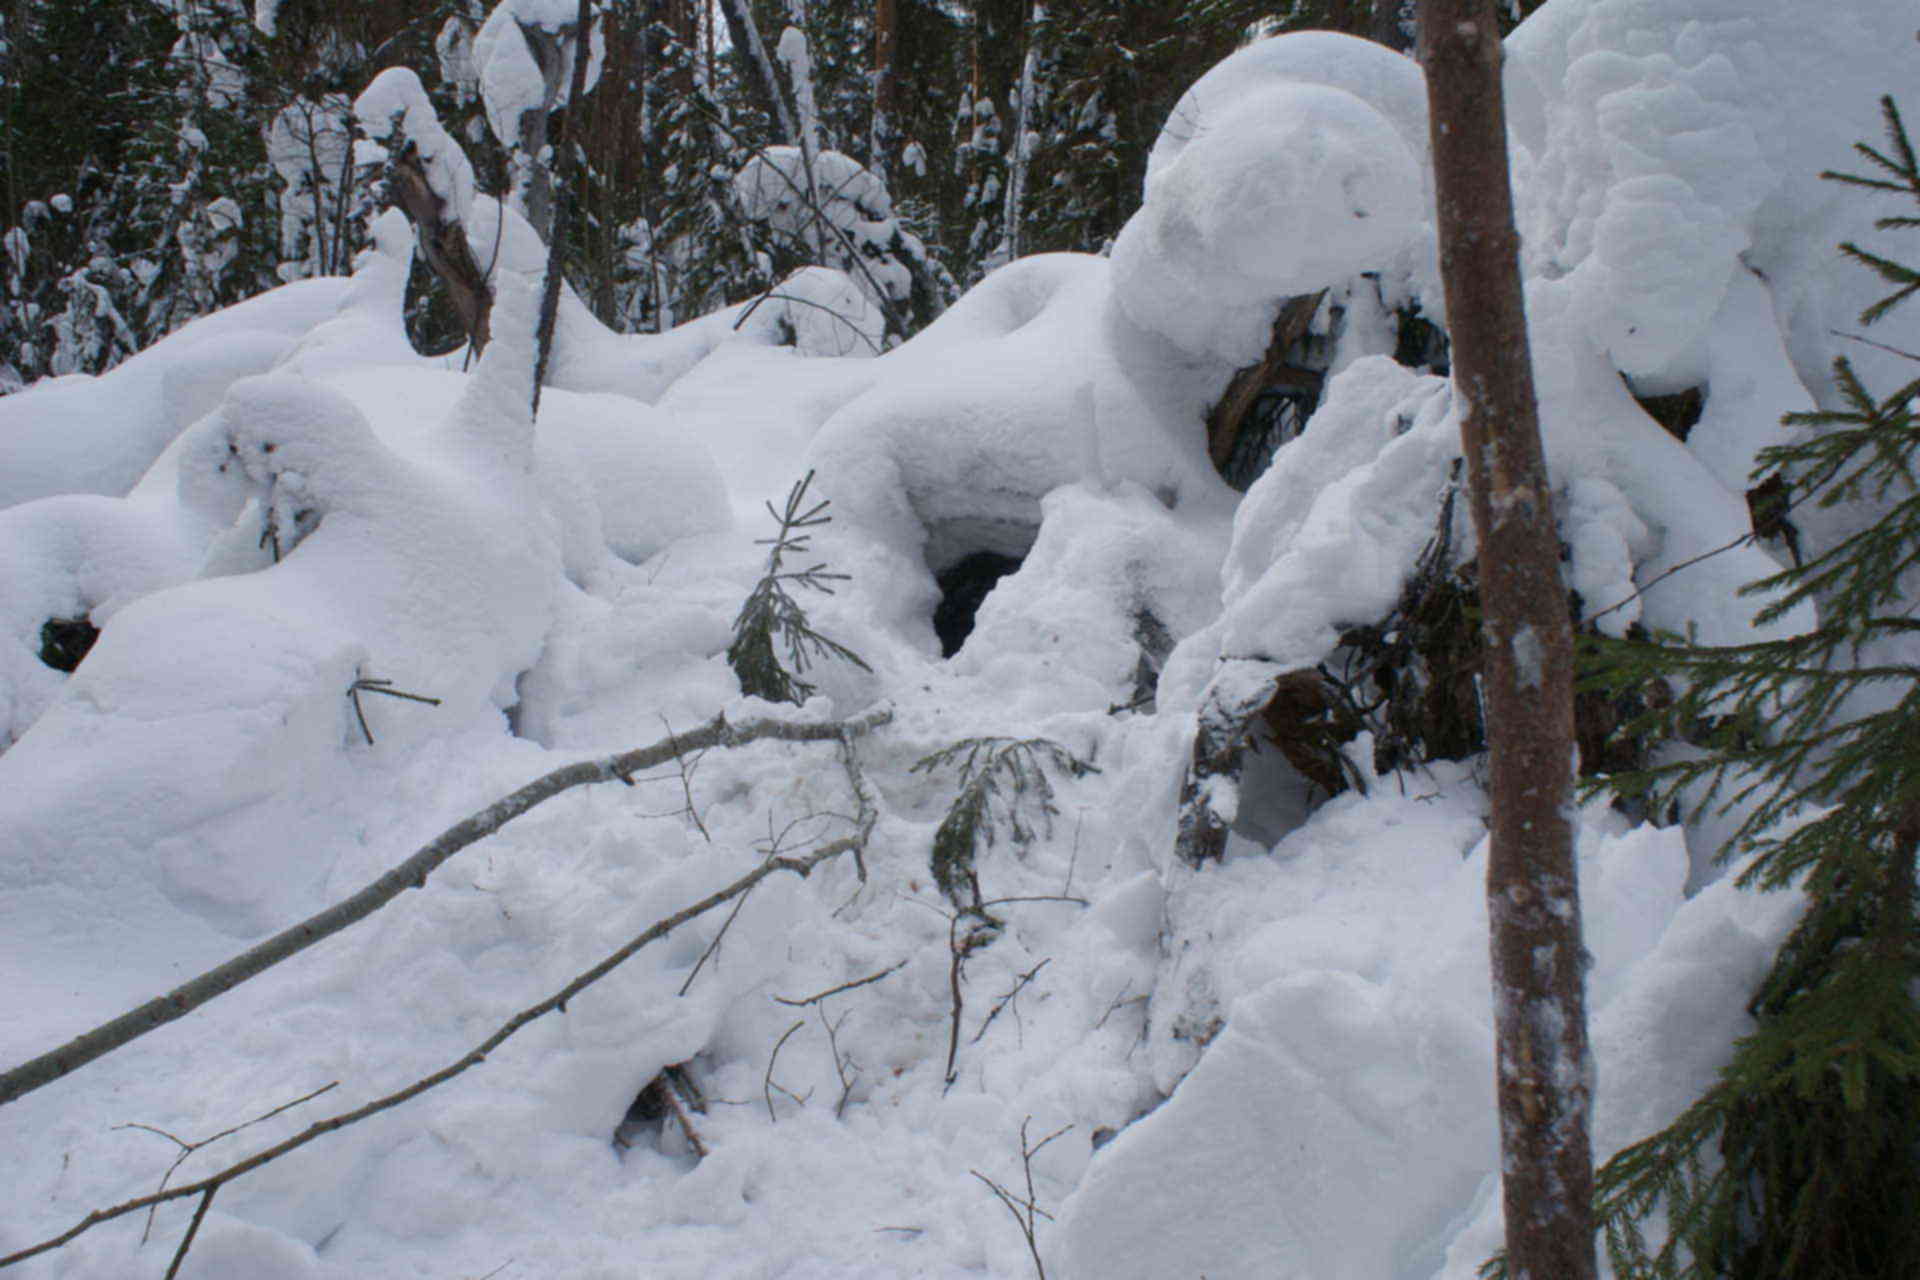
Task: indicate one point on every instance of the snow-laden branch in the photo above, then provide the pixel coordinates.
(412, 874)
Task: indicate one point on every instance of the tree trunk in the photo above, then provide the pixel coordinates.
(761, 80)
(885, 130)
(1533, 906)
(563, 165)
(1021, 150)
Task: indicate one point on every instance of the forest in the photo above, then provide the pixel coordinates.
(816, 638)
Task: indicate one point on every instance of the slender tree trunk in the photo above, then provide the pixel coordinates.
(884, 131)
(1021, 150)
(563, 167)
(1533, 903)
(761, 79)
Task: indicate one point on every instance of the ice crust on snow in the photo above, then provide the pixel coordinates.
(1283, 1043)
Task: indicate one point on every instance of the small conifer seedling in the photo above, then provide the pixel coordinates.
(772, 620)
(1000, 779)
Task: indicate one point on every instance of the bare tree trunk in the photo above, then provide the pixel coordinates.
(761, 79)
(563, 166)
(1021, 150)
(885, 130)
(1533, 903)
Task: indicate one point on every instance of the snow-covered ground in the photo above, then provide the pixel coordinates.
(1274, 1067)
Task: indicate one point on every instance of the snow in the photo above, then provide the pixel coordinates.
(395, 106)
(86, 434)
(1285, 169)
(512, 82)
(1279, 1065)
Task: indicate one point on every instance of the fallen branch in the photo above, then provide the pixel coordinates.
(801, 865)
(1007, 999)
(188, 1148)
(677, 1106)
(412, 874)
(845, 986)
(767, 1086)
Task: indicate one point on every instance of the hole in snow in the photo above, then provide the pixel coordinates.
(963, 585)
(65, 641)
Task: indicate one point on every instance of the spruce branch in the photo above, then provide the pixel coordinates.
(771, 618)
(1799, 1162)
(1000, 780)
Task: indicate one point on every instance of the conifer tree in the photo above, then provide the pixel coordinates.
(1803, 1160)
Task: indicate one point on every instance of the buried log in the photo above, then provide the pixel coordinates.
(1305, 718)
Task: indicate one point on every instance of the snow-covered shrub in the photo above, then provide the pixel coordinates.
(826, 208)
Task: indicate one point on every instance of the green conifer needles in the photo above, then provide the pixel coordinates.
(1803, 1161)
(999, 778)
(772, 620)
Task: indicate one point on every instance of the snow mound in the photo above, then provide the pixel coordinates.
(1672, 141)
(1289, 167)
(86, 434)
(1354, 1069)
(75, 556)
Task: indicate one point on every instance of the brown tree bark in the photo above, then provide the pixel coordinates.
(1229, 413)
(443, 243)
(1533, 905)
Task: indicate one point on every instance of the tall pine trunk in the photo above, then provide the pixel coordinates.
(1544, 1076)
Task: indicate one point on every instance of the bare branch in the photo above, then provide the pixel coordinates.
(188, 1148)
(1007, 999)
(411, 874)
(800, 865)
(193, 1229)
(845, 986)
(766, 1082)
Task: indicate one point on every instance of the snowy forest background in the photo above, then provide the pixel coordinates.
(1120, 706)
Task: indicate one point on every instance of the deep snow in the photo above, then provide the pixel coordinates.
(1292, 1047)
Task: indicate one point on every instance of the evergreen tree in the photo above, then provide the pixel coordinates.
(1803, 1159)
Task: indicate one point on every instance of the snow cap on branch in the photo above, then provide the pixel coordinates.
(396, 104)
(512, 79)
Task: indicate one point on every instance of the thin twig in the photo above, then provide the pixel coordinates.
(188, 1148)
(712, 947)
(1026, 1213)
(839, 1068)
(845, 986)
(410, 874)
(1862, 338)
(193, 1229)
(800, 865)
(766, 1081)
(1008, 998)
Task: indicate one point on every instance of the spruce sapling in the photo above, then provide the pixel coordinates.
(771, 619)
(999, 778)
(1803, 1160)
